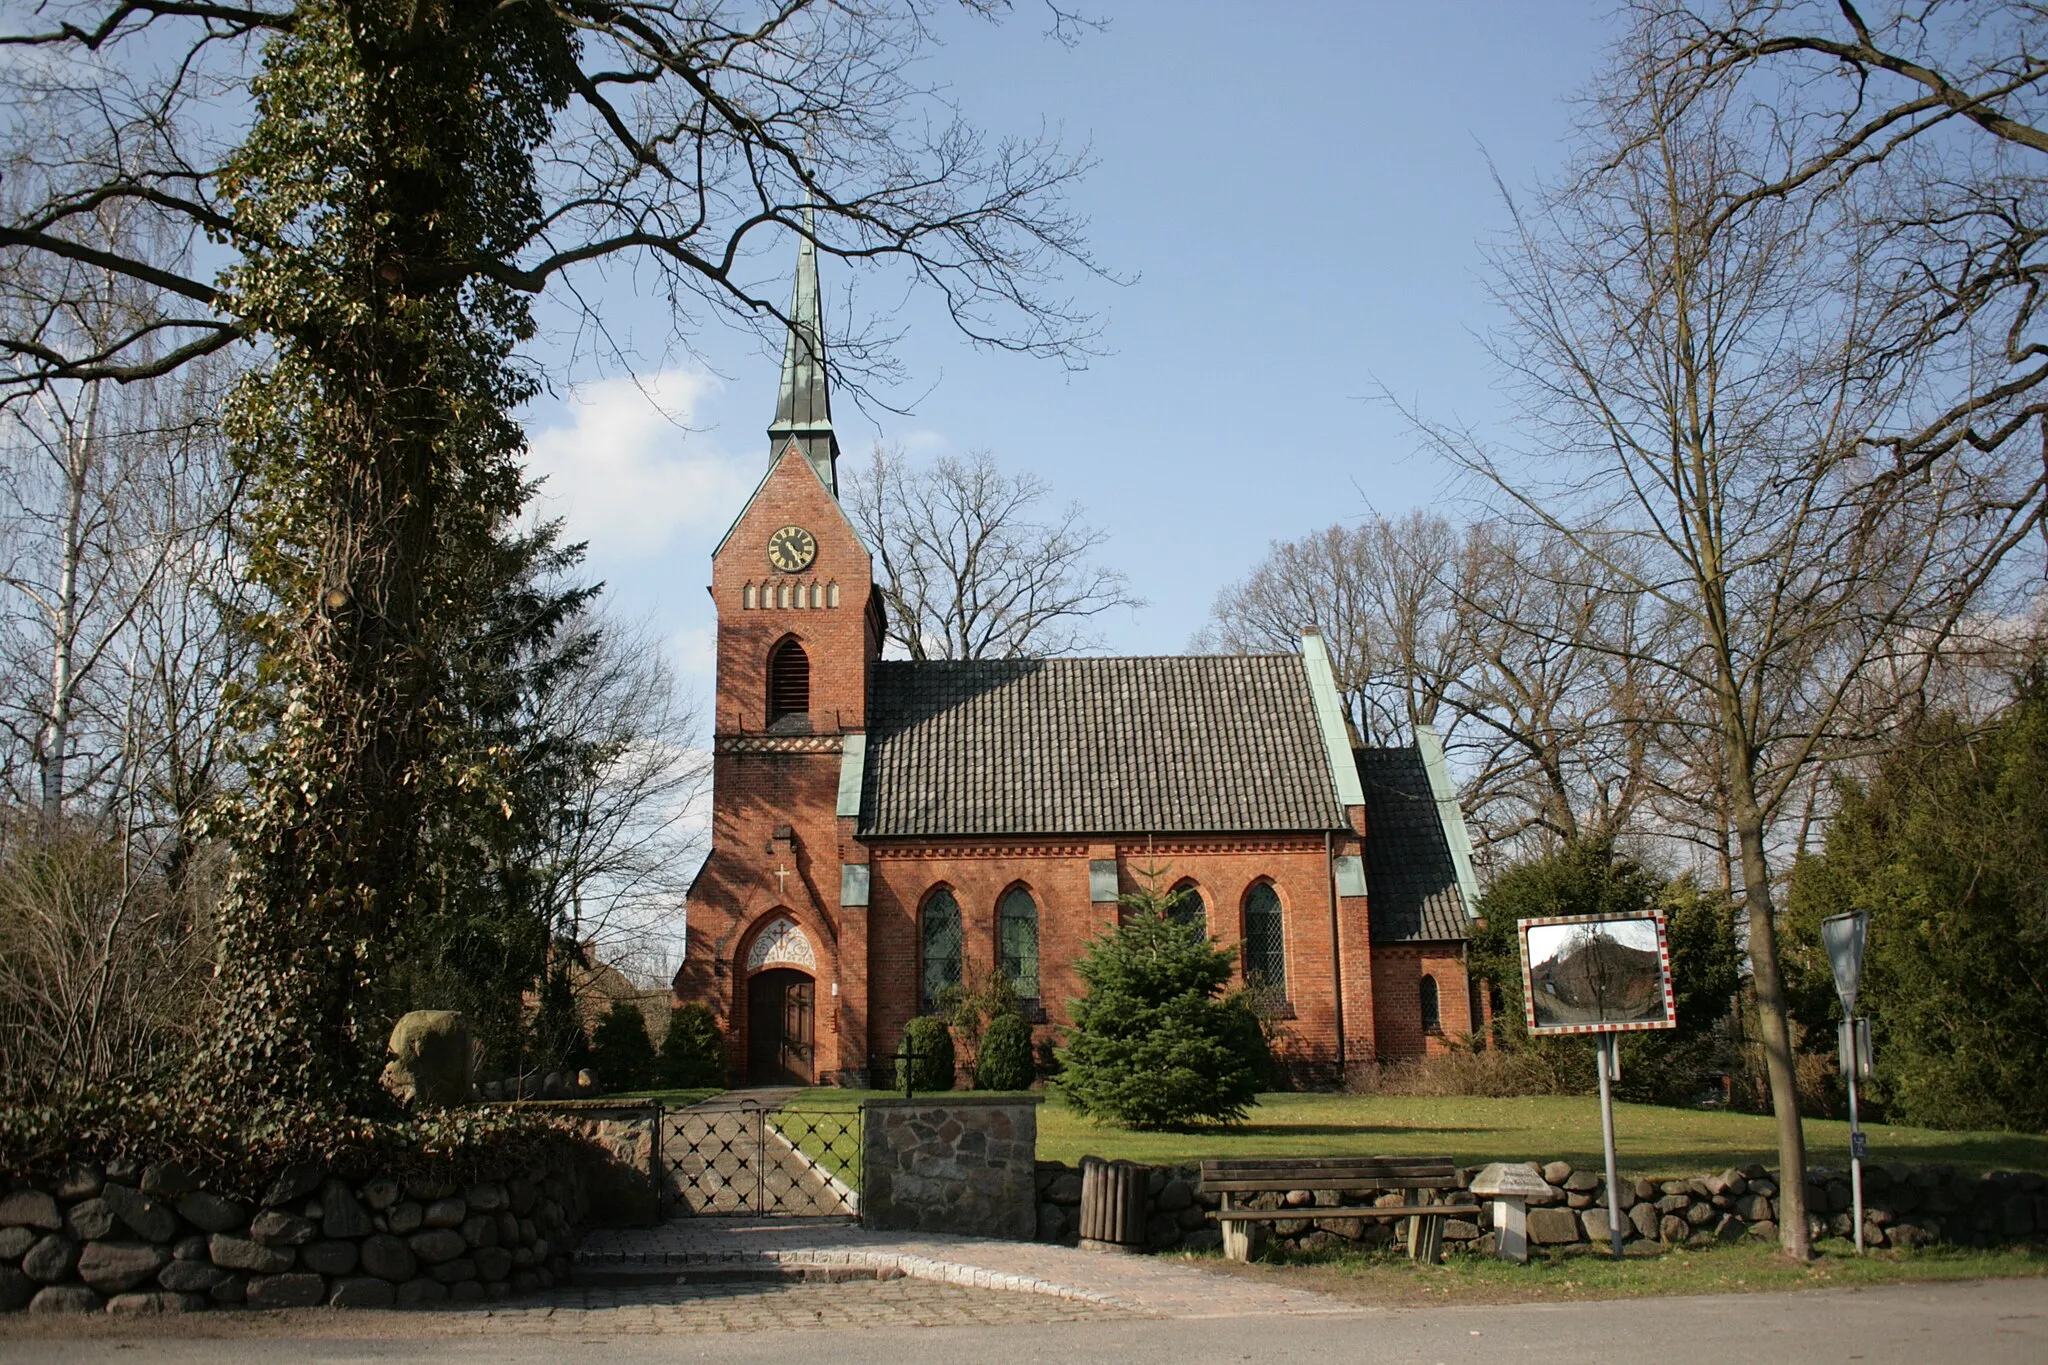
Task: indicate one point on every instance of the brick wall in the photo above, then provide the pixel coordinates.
(1398, 970)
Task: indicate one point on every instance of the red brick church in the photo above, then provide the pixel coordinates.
(883, 829)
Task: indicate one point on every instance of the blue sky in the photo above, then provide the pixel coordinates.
(1301, 192)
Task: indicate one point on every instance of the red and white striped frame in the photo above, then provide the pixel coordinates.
(1670, 1019)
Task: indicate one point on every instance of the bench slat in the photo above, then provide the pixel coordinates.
(1267, 1187)
(1262, 1163)
(1309, 1213)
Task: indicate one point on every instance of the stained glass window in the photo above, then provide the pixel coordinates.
(941, 945)
(1018, 925)
(1265, 947)
(1432, 1011)
(1184, 906)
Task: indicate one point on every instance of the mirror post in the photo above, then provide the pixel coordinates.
(1607, 1061)
(1845, 937)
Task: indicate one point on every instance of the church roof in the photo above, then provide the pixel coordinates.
(1163, 745)
(1409, 870)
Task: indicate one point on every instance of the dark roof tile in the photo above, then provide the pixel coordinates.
(1410, 877)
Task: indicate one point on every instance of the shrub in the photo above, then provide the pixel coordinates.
(621, 1050)
(932, 1044)
(1004, 1061)
(1157, 1042)
(692, 1050)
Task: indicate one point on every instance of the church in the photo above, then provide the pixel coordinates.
(883, 829)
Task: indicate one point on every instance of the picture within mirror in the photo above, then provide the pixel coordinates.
(1595, 972)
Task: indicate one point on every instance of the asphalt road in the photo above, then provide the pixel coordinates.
(1992, 1322)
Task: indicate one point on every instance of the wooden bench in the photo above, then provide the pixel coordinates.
(1423, 1179)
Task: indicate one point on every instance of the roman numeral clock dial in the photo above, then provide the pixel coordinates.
(792, 549)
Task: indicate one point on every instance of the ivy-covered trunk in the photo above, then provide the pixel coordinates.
(392, 151)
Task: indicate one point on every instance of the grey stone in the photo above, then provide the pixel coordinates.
(1193, 1216)
(1553, 1227)
(405, 1218)
(51, 1259)
(1175, 1196)
(125, 1169)
(493, 1263)
(168, 1180)
(276, 1228)
(1065, 1190)
(147, 1218)
(1459, 1230)
(155, 1302)
(508, 1229)
(190, 1277)
(15, 1241)
(480, 1230)
(487, 1197)
(436, 1245)
(524, 1282)
(240, 1253)
(295, 1182)
(1579, 1182)
(1557, 1172)
(521, 1196)
(296, 1290)
(380, 1194)
(1578, 1200)
(66, 1298)
(329, 1258)
(389, 1258)
(115, 1267)
(449, 1272)
(1699, 1215)
(1671, 1228)
(30, 1209)
(81, 1180)
(212, 1212)
(2016, 1215)
(189, 1249)
(1674, 1203)
(341, 1215)
(16, 1289)
(1597, 1231)
(427, 1188)
(419, 1291)
(1754, 1208)
(234, 1289)
(445, 1213)
(90, 1220)
(432, 1060)
(362, 1291)
(1643, 1217)
(1052, 1224)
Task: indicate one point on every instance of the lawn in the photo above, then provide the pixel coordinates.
(1650, 1141)
(1392, 1280)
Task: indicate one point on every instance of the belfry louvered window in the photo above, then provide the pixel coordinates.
(789, 681)
(1265, 947)
(941, 946)
(1018, 925)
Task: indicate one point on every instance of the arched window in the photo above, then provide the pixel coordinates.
(1184, 906)
(832, 594)
(941, 945)
(1265, 943)
(789, 681)
(747, 598)
(1017, 924)
(1432, 1013)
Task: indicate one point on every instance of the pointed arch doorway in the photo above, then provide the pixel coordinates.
(781, 1027)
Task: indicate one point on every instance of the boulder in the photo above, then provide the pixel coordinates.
(234, 1289)
(81, 1180)
(191, 1277)
(1754, 1208)
(295, 1182)
(1643, 1217)
(445, 1213)
(1557, 1172)
(16, 1289)
(340, 1214)
(480, 1230)
(52, 1258)
(421, 1290)
(1065, 1189)
(148, 1219)
(15, 1242)
(66, 1298)
(30, 1209)
(436, 1245)
(240, 1253)
(116, 1267)
(1553, 1227)
(388, 1258)
(432, 1054)
(1597, 1230)
(189, 1249)
(465, 1291)
(487, 1197)
(450, 1272)
(380, 1194)
(492, 1263)
(1052, 1224)
(286, 1291)
(329, 1258)
(362, 1291)
(1671, 1228)
(211, 1212)
(404, 1218)
(168, 1180)
(154, 1303)
(90, 1220)
(276, 1228)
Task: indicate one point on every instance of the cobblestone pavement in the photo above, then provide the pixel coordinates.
(1147, 1285)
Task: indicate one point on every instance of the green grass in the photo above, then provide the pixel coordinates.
(1650, 1141)
(1389, 1278)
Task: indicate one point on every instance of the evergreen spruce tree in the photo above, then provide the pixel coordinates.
(620, 1049)
(1160, 1040)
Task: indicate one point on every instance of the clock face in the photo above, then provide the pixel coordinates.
(792, 548)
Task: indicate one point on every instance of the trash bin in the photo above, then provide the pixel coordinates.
(1113, 1204)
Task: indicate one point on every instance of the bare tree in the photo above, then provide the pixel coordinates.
(973, 567)
(1700, 380)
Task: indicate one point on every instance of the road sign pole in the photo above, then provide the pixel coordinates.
(1605, 1059)
(1852, 1064)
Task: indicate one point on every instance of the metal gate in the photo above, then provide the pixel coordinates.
(745, 1156)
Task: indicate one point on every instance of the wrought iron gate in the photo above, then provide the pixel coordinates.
(744, 1156)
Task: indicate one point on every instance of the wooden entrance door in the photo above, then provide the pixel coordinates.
(780, 1027)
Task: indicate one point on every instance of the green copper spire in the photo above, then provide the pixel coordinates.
(803, 408)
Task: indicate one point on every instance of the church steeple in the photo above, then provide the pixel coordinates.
(803, 408)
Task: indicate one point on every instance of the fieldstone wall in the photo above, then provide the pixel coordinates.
(129, 1238)
(956, 1163)
(1903, 1206)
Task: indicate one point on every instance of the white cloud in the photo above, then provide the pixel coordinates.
(628, 475)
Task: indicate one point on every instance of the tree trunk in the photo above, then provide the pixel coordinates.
(1772, 1023)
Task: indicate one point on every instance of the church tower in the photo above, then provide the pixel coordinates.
(769, 943)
